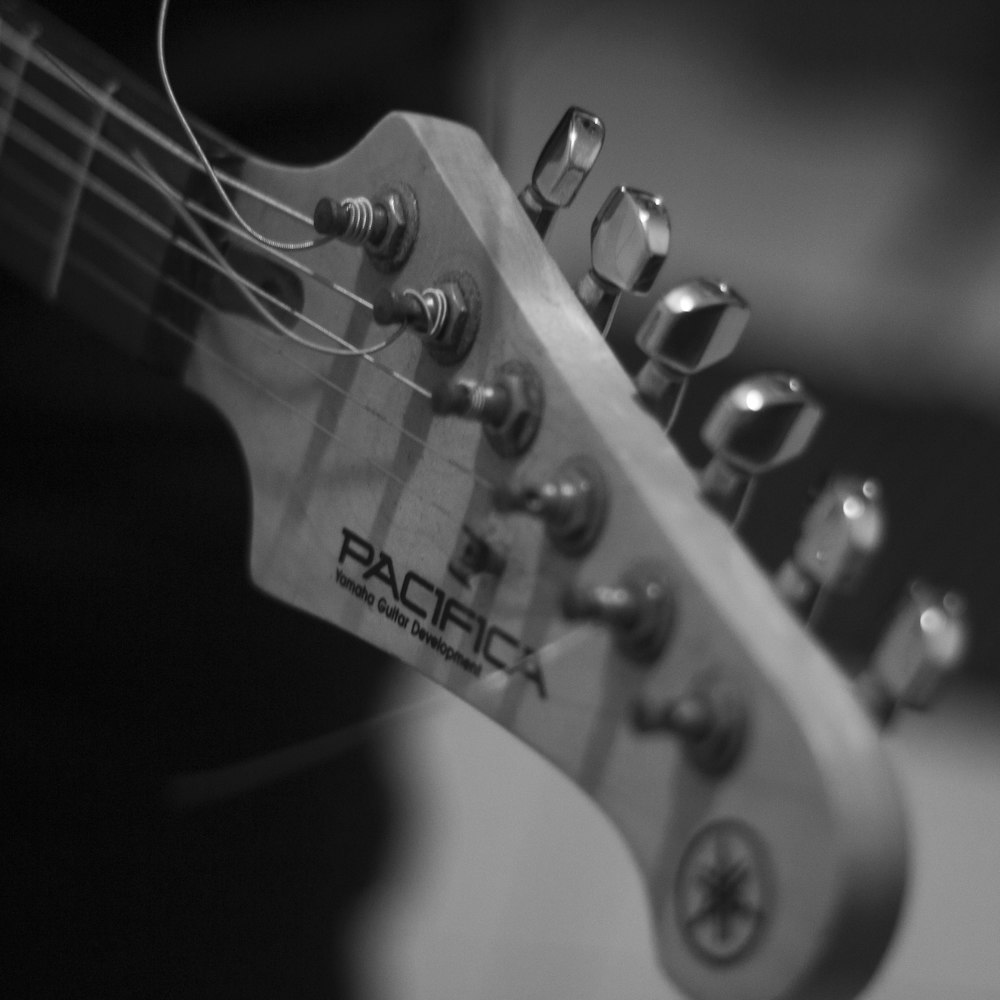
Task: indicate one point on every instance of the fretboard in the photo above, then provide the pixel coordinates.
(80, 220)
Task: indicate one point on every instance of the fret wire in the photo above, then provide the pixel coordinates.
(58, 159)
(107, 238)
(6, 112)
(79, 175)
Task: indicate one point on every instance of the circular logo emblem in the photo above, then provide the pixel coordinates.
(723, 892)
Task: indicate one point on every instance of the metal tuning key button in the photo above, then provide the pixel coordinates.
(760, 424)
(842, 533)
(629, 240)
(562, 167)
(922, 647)
(691, 328)
(573, 504)
(509, 406)
(639, 610)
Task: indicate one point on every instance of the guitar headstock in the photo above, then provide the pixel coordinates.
(555, 566)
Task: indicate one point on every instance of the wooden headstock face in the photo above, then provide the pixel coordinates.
(775, 873)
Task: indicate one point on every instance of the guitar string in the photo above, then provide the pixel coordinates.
(194, 786)
(107, 238)
(122, 115)
(19, 132)
(46, 62)
(246, 231)
(145, 172)
(31, 140)
(191, 789)
(161, 59)
(492, 684)
(177, 204)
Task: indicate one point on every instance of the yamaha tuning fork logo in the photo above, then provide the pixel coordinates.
(723, 892)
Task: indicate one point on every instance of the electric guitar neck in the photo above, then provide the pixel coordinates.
(447, 461)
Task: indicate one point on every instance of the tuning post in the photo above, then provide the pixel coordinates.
(629, 240)
(923, 646)
(691, 328)
(386, 225)
(562, 167)
(710, 720)
(509, 406)
(572, 504)
(639, 610)
(760, 424)
(842, 533)
(446, 315)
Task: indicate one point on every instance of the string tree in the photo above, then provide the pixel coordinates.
(629, 240)
(921, 649)
(760, 424)
(509, 405)
(481, 551)
(842, 533)
(446, 315)
(386, 225)
(562, 167)
(572, 504)
(639, 610)
(694, 326)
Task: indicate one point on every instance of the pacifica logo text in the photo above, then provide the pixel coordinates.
(425, 611)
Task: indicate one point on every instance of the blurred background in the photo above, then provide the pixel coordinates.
(836, 164)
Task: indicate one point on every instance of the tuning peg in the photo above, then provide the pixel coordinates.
(629, 240)
(386, 225)
(692, 327)
(710, 719)
(841, 534)
(562, 167)
(760, 424)
(922, 647)
(573, 504)
(509, 406)
(446, 315)
(639, 610)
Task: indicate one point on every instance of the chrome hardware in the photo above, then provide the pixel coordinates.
(385, 225)
(692, 327)
(922, 647)
(710, 719)
(760, 424)
(640, 610)
(446, 315)
(629, 240)
(573, 504)
(478, 553)
(509, 406)
(562, 167)
(841, 534)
